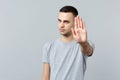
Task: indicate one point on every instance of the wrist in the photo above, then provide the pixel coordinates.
(83, 43)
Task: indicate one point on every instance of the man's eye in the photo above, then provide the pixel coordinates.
(66, 22)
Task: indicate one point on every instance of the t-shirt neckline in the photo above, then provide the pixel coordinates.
(67, 43)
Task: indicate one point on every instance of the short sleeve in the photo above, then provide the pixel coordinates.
(46, 53)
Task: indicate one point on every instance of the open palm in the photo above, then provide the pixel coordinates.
(79, 31)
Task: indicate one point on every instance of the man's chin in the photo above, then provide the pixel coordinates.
(62, 33)
(65, 34)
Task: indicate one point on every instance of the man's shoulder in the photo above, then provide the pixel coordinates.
(50, 42)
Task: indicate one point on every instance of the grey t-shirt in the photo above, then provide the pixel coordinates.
(66, 60)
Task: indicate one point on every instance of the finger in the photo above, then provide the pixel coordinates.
(73, 32)
(75, 23)
(80, 19)
(84, 27)
(82, 24)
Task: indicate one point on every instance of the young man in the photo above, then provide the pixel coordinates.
(65, 58)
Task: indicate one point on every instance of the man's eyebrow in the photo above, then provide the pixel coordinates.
(66, 21)
(59, 19)
(63, 20)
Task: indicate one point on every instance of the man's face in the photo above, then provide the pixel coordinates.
(65, 23)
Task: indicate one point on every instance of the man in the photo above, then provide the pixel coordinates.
(65, 58)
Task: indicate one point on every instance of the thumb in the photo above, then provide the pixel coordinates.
(73, 32)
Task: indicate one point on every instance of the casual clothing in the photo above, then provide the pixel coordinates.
(66, 60)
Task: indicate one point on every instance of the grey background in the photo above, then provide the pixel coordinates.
(25, 25)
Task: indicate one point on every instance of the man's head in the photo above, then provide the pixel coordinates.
(66, 19)
(69, 9)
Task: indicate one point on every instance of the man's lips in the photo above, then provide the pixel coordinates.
(62, 30)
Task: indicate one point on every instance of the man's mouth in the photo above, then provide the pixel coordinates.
(62, 30)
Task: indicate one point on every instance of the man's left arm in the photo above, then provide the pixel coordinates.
(80, 35)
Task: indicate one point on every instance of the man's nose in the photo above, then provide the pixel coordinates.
(61, 24)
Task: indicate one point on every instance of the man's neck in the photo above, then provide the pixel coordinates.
(66, 39)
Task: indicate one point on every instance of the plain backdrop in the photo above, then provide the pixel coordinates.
(25, 25)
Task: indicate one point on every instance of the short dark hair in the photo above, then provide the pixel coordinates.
(71, 9)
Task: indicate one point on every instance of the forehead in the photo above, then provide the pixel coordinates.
(66, 16)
